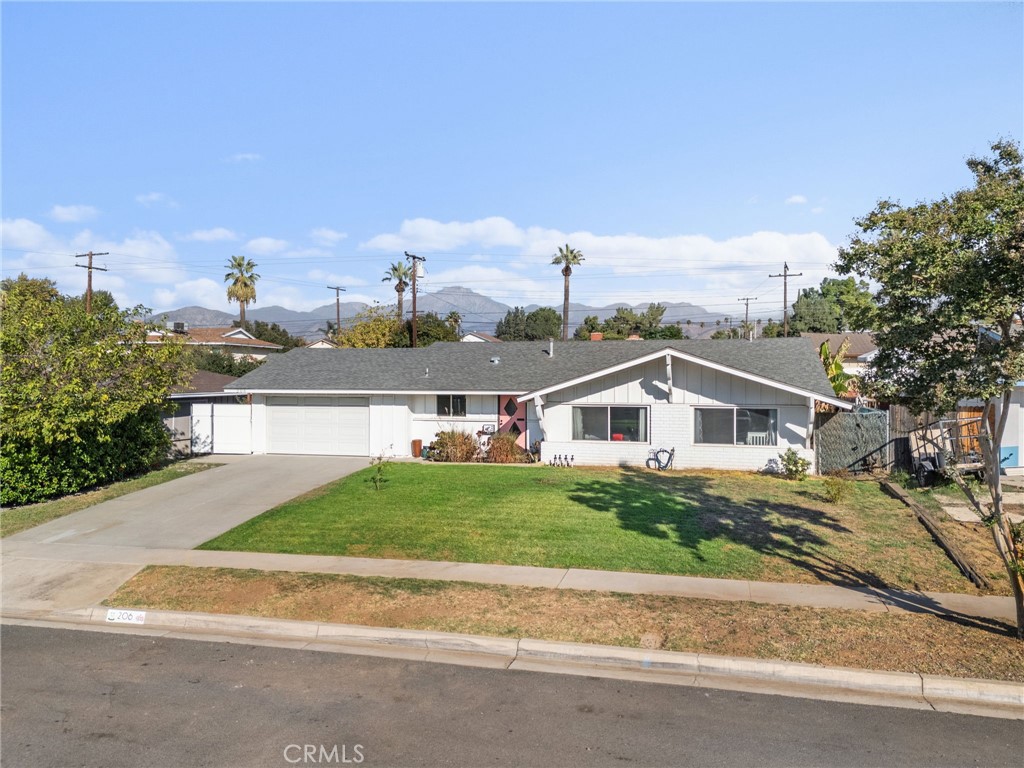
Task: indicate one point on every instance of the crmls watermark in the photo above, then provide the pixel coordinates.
(320, 754)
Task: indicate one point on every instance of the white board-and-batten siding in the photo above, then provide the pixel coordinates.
(671, 425)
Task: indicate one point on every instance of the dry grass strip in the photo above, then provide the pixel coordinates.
(860, 639)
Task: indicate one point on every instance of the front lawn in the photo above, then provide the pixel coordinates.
(16, 519)
(717, 524)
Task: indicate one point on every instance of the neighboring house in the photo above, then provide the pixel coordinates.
(205, 388)
(478, 336)
(236, 342)
(860, 352)
(323, 343)
(728, 404)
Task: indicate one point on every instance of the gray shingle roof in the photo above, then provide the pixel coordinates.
(524, 366)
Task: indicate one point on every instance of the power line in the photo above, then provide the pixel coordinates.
(785, 296)
(416, 261)
(337, 306)
(88, 285)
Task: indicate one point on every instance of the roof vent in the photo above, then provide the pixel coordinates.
(426, 373)
(495, 360)
(551, 347)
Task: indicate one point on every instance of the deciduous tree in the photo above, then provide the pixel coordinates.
(80, 394)
(376, 327)
(950, 303)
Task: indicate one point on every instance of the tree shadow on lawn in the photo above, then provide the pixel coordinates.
(655, 505)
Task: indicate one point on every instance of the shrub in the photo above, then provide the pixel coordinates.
(503, 450)
(794, 466)
(837, 489)
(453, 445)
(380, 465)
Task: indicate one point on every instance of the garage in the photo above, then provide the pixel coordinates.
(332, 426)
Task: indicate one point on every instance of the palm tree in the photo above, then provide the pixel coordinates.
(568, 258)
(243, 283)
(454, 319)
(401, 274)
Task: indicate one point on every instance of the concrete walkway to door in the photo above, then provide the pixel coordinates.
(42, 572)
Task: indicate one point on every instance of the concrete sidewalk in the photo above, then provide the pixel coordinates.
(85, 558)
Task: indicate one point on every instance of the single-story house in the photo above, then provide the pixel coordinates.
(732, 404)
(237, 342)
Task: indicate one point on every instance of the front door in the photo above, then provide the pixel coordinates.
(512, 418)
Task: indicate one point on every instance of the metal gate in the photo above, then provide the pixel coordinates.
(852, 442)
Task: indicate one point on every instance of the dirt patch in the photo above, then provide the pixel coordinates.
(896, 642)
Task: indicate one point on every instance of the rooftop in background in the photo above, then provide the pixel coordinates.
(480, 336)
(205, 382)
(860, 343)
(217, 337)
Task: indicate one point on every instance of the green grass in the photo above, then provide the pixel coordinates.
(16, 519)
(717, 524)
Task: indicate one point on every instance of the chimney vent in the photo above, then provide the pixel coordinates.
(551, 348)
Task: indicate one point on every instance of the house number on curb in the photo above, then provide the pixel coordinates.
(126, 617)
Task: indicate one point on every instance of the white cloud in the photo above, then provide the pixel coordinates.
(244, 157)
(325, 277)
(151, 199)
(73, 213)
(215, 235)
(202, 292)
(326, 236)
(429, 235)
(264, 246)
(144, 258)
(627, 268)
(307, 253)
(796, 200)
(818, 209)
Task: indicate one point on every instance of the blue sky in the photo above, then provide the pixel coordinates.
(686, 149)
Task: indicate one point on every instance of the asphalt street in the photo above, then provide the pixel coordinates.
(80, 698)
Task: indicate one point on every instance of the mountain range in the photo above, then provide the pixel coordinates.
(478, 312)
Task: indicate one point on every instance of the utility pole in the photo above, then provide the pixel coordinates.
(88, 284)
(415, 268)
(337, 307)
(785, 296)
(746, 313)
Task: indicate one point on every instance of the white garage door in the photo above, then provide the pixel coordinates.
(334, 426)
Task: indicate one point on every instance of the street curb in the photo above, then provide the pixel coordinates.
(991, 698)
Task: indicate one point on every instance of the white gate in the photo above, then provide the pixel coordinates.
(221, 428)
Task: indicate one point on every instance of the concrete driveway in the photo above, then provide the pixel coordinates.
(42, 572)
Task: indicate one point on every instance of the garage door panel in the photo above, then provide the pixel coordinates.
(335, 426)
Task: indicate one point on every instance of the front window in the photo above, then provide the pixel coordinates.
(451, 405)
(736, 426)
(615, 423)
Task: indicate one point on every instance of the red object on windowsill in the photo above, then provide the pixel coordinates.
(616, 436)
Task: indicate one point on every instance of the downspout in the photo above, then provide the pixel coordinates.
(538, 405)
(810, 423)
(668, 376)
